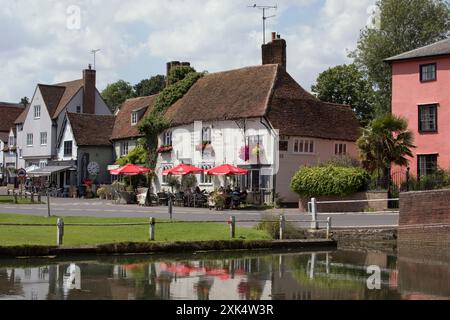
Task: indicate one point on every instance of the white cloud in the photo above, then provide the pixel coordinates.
(214, 35)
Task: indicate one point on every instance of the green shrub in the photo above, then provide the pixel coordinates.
(271, 225)
(329, 181)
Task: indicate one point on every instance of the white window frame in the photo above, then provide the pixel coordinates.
(44, 134)
(134, 118)
(124, 148)
(43, 164)
(303, 142)
(20, 154)
(30, 138)
(340, 149)
(168, 138)
(37, 112)
(164, 167)
(11, 142)
(206, 134)
(206, 180)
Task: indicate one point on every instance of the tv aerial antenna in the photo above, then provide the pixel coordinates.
(264, 9)
(94, 52)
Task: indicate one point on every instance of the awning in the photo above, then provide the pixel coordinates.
(48, 171)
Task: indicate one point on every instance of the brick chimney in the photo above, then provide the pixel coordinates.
(89, 80)
(174, 64)
(274, 52)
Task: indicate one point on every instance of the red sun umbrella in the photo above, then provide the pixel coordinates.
(181, 170)
(226, 170)
(130, 170)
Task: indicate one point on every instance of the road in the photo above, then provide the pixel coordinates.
(102, 208)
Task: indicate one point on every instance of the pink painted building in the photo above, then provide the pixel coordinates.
(421, 94)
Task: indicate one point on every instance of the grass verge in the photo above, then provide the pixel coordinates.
(88, 236)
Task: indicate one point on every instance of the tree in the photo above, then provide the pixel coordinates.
(25, 101)
(404, 25)
(346, 84)
(179, 73)
(386, 140)
(116, 93)
(148, 87)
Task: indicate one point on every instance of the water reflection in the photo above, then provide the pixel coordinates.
(291, 276)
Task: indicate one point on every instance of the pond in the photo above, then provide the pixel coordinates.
(333, 275)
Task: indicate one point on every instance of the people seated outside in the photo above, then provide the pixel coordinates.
(244, 195)
(228, 194)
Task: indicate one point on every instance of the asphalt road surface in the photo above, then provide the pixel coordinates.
(101, 208)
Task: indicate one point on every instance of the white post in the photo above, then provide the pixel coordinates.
(60, 232)
(152, 229)
(313, 265)
(282, 226)
(314, 223)
(328, 227)
(48, 205)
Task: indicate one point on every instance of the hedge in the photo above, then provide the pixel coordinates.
(329, 181)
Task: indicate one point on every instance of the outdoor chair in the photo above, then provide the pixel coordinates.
(179, 199)
(142, 196)
(163, 199)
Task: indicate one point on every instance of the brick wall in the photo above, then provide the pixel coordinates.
(425, 219)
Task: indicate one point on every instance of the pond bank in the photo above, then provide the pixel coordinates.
(167, 247)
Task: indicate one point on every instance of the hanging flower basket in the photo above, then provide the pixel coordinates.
(244, 153)
(165, 149)
(257, 151)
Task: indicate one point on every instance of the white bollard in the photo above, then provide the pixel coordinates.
(328, 227)
(60, 232)
(314, 223)
(282, 227)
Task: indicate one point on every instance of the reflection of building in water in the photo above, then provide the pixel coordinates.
(312, 276)
(326, 276)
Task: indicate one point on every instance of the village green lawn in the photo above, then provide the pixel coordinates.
(79, 236)
(10, 200)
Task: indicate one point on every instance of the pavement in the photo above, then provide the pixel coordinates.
(64, 207)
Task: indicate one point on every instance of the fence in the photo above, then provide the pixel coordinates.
(313, 208)
(232, 222)
(15, 197)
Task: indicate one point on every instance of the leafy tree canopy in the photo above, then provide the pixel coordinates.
(148, 87)
(116, 93)
(345, 84)
(402, 25)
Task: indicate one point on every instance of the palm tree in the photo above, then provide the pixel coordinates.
(386, 140)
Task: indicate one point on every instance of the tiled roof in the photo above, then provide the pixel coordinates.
(315, 119)
(435, 49)
(72, 87)
(8, 114)
(4, 136)
(264, 91)
(91, 130)
(23, 115)
(122, 127)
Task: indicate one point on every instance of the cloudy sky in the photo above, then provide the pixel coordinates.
(49, 41)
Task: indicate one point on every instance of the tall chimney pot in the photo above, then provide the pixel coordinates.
(274, 52)
(89, 90)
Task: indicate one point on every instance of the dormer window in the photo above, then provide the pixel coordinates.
(11, 142)
(37, 112)
(134, 118)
